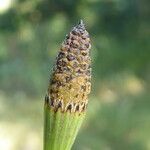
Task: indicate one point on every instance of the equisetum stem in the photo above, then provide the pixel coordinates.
(67, 96)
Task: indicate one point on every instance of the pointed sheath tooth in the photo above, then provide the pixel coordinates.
(61, 129)
(69, 87)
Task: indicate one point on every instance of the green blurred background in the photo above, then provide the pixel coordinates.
(31, 32)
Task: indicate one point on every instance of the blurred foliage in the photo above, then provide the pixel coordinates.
(30, 36)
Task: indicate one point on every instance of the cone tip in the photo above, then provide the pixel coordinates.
(80, 25)
(81, 22)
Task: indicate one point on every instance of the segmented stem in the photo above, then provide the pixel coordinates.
(67, 96)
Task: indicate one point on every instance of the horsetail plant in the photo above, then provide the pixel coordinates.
(67, 95)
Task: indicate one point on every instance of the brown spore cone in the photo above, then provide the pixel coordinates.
(70, 82)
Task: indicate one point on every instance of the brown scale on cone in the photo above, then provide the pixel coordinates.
(70, 81)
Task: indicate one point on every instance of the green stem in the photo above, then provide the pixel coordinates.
(60, 129)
